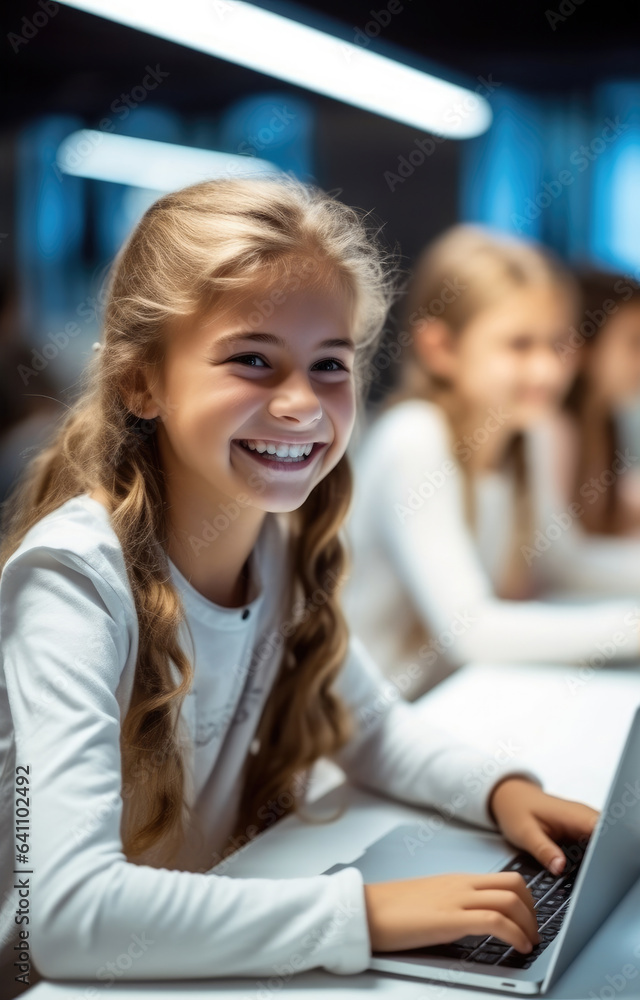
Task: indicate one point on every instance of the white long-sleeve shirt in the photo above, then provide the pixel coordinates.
(421, 593)
(69, 639)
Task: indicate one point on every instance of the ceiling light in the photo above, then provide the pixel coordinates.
(306, 57)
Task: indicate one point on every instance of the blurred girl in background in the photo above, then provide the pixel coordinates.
(607, 347)
(459, 527)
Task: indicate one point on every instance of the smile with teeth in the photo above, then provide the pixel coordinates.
(278, 452)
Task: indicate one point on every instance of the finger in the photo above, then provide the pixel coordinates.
(511, 905)
(495, 923)
(512, 881)
(573, 820)
(536, 841)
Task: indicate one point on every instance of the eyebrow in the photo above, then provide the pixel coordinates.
(271, 338)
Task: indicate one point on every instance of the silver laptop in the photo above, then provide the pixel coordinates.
(570, 907)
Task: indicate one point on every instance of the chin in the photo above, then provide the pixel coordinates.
(530, 415)
(281, 504)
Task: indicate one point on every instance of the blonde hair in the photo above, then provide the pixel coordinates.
(467, 269)
(190, 254)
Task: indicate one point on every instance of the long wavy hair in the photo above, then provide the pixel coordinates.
(604, 294)
(465, 270)
(190, 254)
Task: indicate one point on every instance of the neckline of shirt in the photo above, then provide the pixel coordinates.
(199, 605)
(207, 610)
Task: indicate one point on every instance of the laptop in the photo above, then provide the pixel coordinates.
(570, 907)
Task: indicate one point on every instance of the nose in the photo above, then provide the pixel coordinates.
(294, 399)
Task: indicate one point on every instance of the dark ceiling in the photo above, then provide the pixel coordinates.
(77, 61)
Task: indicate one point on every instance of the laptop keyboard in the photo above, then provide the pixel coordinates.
(551, 894)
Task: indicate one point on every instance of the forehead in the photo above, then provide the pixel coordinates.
(271, 314)
(530, 308)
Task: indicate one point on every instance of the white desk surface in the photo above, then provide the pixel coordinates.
(568, 724)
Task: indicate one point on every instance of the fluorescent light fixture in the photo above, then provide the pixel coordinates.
(145, 163)
(287, 50)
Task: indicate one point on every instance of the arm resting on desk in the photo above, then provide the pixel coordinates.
(394, 752)
(64, 643)
(433, 552)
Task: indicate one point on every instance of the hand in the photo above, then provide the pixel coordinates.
(419, 912)
(533, 820)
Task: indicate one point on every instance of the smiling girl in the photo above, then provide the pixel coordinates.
(460, 528)
(173, 647)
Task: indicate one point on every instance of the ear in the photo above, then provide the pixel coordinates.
(436, 347)
(139, 397)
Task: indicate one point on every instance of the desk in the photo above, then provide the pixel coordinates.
(574, 751)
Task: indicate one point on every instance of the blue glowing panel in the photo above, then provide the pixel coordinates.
(273, 126)
(502, 170)
(50, 223)
(118, 207)
(615, 194)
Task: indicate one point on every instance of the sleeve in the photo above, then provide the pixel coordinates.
(93, 913)
(592, 565)
(392, 752)
(569, 558)
(423, 526)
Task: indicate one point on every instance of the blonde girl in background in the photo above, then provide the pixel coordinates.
(173, 647)
(599, 459)
(459, 528)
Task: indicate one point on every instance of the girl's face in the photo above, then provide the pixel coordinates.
(508, 355)
(613, 363)
(258, 404)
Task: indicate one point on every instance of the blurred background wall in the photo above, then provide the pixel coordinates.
(560, 162)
